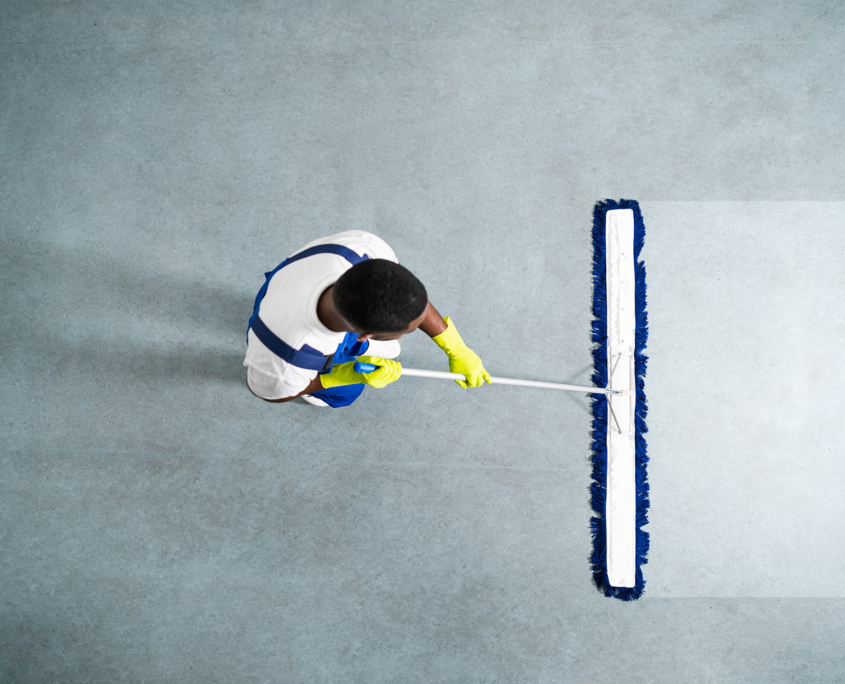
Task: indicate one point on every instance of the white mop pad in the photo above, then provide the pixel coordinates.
(621, 510)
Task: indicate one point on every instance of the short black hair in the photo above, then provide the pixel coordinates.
(379, 296)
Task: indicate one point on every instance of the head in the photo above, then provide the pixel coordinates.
(380, 299)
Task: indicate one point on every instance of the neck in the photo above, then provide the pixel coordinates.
(328, 315)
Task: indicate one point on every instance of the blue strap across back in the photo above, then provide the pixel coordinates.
(307, 357)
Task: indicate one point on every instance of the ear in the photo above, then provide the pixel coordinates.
(362, 337)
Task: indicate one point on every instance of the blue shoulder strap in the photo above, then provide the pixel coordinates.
(307, 357)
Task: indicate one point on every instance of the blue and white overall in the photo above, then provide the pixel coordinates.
(308, 357)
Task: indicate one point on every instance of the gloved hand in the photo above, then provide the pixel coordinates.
(462, 359)
(344, 373)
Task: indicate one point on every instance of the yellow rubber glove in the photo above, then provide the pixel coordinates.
(462, 359)
(344, 373)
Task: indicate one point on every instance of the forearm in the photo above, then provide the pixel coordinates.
(433, 323)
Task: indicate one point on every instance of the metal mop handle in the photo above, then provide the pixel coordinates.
(361, 367)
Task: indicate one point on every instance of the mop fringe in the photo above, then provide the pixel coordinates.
(598, 489)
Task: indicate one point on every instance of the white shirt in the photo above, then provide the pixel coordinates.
(289, 309)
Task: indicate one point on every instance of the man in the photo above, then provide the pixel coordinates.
(336, 300)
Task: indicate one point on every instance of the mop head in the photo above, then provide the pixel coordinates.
(620, 485)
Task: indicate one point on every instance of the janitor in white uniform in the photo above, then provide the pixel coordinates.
(335, 301)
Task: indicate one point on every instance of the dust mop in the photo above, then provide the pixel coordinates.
(620, 329)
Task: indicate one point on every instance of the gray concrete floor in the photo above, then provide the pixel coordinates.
(160, 524)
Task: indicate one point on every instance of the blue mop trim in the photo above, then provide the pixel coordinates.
(598, 487)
